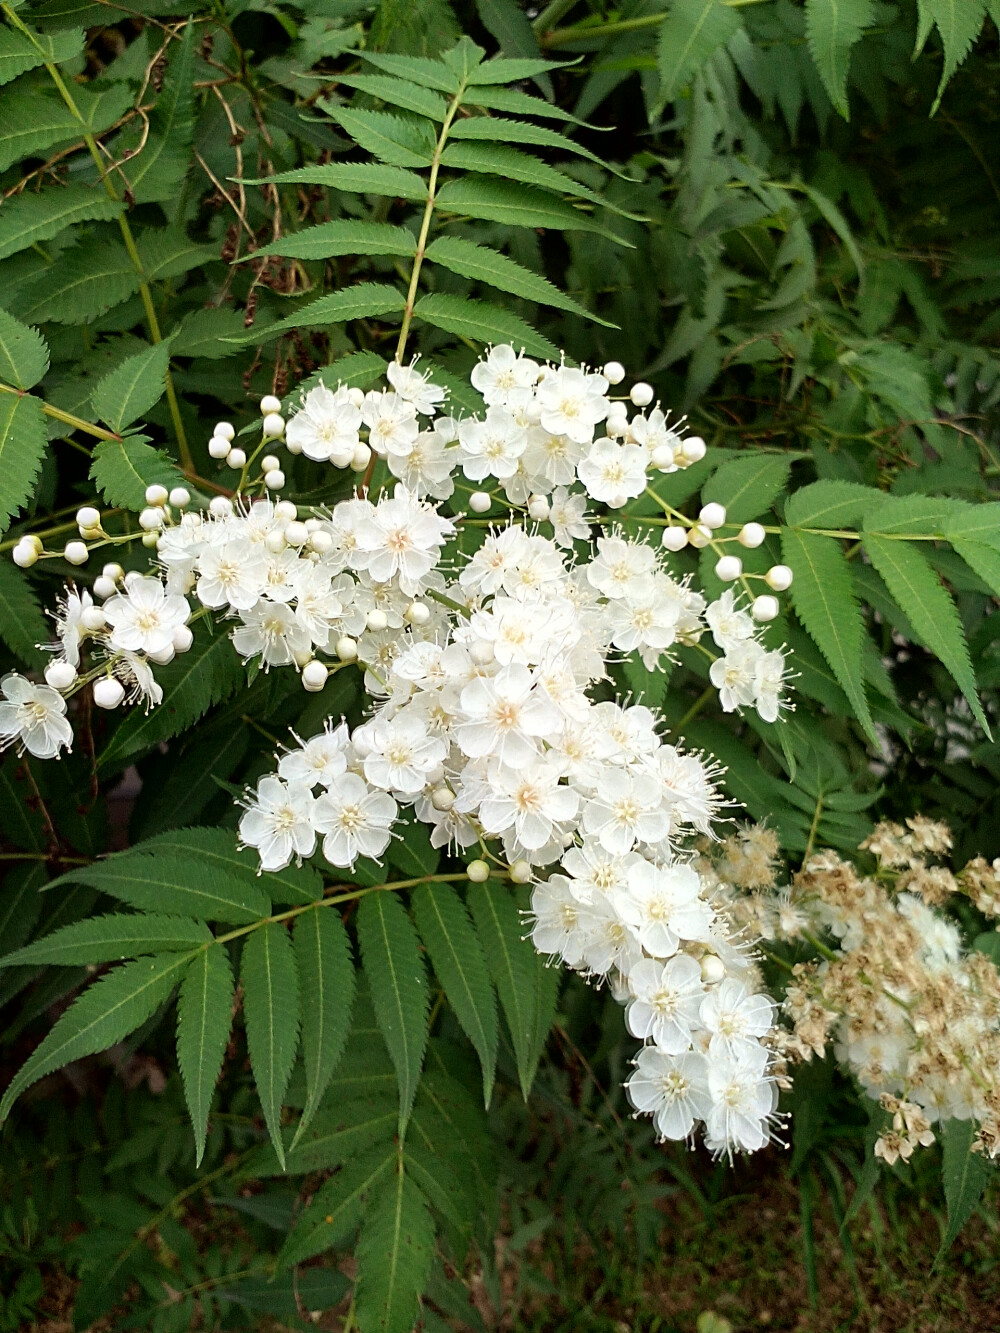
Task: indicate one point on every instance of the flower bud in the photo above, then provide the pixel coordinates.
(765, 608)
(613, 372)
(418, 613)
(220, 506)
(728, 568)
(642, 394)
(377, 620)
(269, 462)
(361, 457)
(694, 448)
(296, 533)
(751, 535)
(275, 541)
(294, 446)
(108, 692)
(25, 554)
(779, 577)
(285, 509)
(163, 655)
(157, 494)
(699, 536)
(104, 587)
(713, 969)
(321, 542)
(346, 649)
(180, 497)
(479, 502)
(219, 447)
(520, 871)
(60, 675)
(112, 570)
(273, 425)
(268, 404)
(224, 430)
(355, 397)
(478, 872)
(150, 539)
(76, 553)
(236, 459)
(314, 676)
(275, 479)
(151, 519)
(442, 798)
(92, 618)
(662, 457)
(182, 638)
(674, 539)
(481, 652)
(713, 515)
(538, 508)
(88, 517)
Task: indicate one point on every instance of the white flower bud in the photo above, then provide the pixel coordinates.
(220, 506)
(112, 570)
(713, 969)
(25, 554)
(765, 608)
(180, 497)
(273, 425)
(642, 394)
(163, 655)
(269, 462)
(275, 541)
(478, 872)
(481, 652)
(182, 638)
(268, 404)
(285, 509)
(93, 619)
(751, 535)
(219, 447)
(694, 449)
(356, 397)
(343, 456)
(699, 536)
(88, 517)
(442, 798)
(346, 649)
(614, 372)
(418, 613)
(236, 459)
(779, 577)
(131, 577)
(108, 692)
(377, 620)
(104, 587)
(713, 515)
(34, 541)
(157, 494)
(361, 457)
(275, 479)
(60, 675)
(674, 539)
(662, 457)
(150, 539)
(538, 508)
(76, 553)
(320, 542)
(224, 430)
(314, 676)
(296, 533)
(294, 446)
(479, 502)
(520, 871)
(151, 519)
(728, 568)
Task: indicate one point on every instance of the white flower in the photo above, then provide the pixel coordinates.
(728, 624)
(401, 539)
(34, 716)
(278, 822)
(734, 675)
(503, 716)
(673, 1089)
(666, 1000)
(391, 421)
(400, 754)
(613, 473)
(317, 604)
(491, 447)
(144, 617)
(609, 943)
(652, 431)
(320, 760)
(647, 618)
(567, 514)
(355, 819)
(326, 426)
(593, 873)
(664, 906)
(231, 573)
(557, 929)
(501, 373)
(743, 1098)
(529, 800)
(136, 672)
(427, 468)
(735, 1017)
(70, 629)
(768, 683)
(572, 403)
(625, 811)
(270, 630)
(621, 568)
(415, 387)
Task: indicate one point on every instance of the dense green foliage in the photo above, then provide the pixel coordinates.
(784, 217)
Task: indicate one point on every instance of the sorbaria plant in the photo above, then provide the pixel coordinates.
(459, 657)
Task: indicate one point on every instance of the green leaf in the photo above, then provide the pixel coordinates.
(460, 965)
(354, 178)
(24, 355)
(390, 138)
(398, 92)
(204, 1017)
(426, 73)
(20, 905)
(829, 504)
(507, 22)
(343, 237)
(512, 165)
(520, 104)
(497, 129)
(22, 625)
(393, 1254)
(180, 885)
(206, 333)
(515, 205)
(112, 938)
(965, 1175)
(122, 469)
(86, 282)
(168, 252)
(32, 122)
(390, 951)
(19, 53)
(332, 1215)
(480, 322)
(132, 388)
(23, 444)
(832, 215)
(364, 300)
(270, 979)
(326, 973)
(162, 158)
(219, 849)
(824, 600)
(833, 27)
(958, 22)
(985, 560)
(915, 586)
(508, 69)
(27, 219)
(692, 32)
(749, 485)
(511, 961)
(105, 1013)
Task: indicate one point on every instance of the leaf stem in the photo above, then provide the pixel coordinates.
(67, 418)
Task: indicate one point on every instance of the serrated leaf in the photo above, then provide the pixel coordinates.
(365, 300)
(829, 504)
(823, 596)
(23, 443)
(32, 122)
(343, 237)
(511, 962)
(111, 939)
(965, 1175)
(831, 214)
(19, 53)
(180, 885)
(354, 178)
(507, 22)
(748, 486)
(958, 22)
(512, 165)
(270, 979)
(426, 73)
(516, 206)
(398, 92)
(105, 1013)
(521, 104)
(28, 219)
(692, 32)
(916, 587)
(122, 469)
(168, 252)
(162, 157)
(902, 515)
(22, 625)
(460, 965)
(390, 138)
(481, 322)
(205, 333)
(132, 388)
(497, 129)
(219, 849)
(393, 1254)
(204, 1018)
(24, 355)
(833, 27)
(87, 281)
(983, 559)
(333, 1213)
(326, 973)
(397, 981)
(511, 69)
(205, 675)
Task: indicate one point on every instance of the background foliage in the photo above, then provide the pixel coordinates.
(783, 216)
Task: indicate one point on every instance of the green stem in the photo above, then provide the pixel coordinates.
(551, 15)
(67, 418)
(581, 32)
(696, 707)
